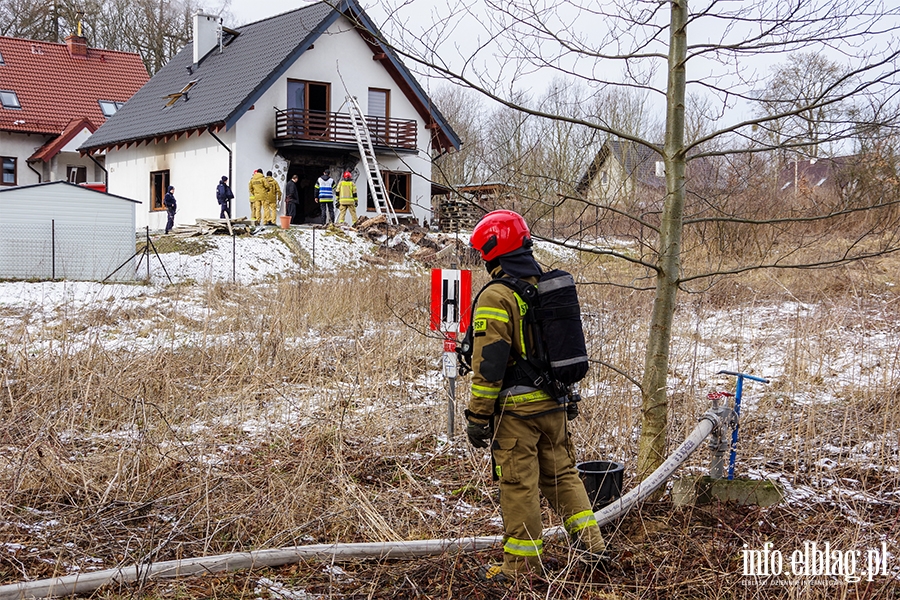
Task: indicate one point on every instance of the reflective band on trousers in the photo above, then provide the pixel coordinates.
(523, 547)
(497, 314)
(579, 521)
(516, 399)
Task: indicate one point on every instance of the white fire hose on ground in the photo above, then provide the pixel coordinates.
(82, 583)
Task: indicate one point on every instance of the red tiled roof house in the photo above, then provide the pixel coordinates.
(52, 98)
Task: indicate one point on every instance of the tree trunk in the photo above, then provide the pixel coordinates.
(654, 407)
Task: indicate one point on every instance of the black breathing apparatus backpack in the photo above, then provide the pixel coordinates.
(558, 357)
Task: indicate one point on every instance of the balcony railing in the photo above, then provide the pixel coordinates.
(317, 126)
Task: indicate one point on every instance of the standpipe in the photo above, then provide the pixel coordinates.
(83, 583)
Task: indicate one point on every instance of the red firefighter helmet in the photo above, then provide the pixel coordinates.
(347, 174)
(500, 232)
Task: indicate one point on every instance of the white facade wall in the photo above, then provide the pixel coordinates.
(196, 164)
(22, 146)
(65, 231)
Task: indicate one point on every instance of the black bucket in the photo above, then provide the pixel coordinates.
(602, 481)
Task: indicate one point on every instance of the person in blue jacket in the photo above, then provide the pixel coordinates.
(224, 195)
(171, 207)
(325, 196)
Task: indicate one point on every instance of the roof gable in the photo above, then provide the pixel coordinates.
(59, 143)
(227, 84)
(637, 161)
(54, 87)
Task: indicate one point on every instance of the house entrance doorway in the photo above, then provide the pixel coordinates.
(307, 175)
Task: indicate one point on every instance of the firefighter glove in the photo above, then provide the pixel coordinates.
(479, 434)
(571, 410)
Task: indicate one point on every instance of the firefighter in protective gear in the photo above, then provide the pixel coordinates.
(259, 189)
(524, 426)
(346, 194)
(273, 196)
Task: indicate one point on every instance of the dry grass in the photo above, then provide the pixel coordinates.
(310, 411)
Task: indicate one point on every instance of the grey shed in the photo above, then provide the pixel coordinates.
(64, 231)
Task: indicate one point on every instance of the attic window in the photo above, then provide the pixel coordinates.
(110, 107)
(1, 59)
(9, 100)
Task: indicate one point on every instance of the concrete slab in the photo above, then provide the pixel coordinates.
(705, 489)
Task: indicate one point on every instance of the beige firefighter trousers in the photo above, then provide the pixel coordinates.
(535, 457)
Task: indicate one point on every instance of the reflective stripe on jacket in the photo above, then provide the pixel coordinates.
(346, 192)
(498, 326)
(325, 189)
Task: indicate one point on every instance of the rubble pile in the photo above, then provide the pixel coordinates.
(413, 241)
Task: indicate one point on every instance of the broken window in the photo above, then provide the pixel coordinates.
(159, 183)
(9, 99)
(9, 170)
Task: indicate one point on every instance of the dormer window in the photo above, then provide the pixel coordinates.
(1, 59)
(109, 107)
(9, 100)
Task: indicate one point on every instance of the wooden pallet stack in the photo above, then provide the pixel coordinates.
(455, 215)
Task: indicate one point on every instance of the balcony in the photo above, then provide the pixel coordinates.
(298, 128)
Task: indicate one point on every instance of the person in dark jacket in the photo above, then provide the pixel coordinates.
(171, 207)
(224, 195)
(291, 197)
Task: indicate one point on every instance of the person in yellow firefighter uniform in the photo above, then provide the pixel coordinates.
(273, 196)
(524, 426)
(346, 194)
(259, 190)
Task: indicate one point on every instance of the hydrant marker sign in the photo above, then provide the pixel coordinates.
(451, 300)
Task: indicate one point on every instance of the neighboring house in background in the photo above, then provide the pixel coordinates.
(812, 177)
(52, 97)
(620, 171)
(272, 94)
(630, 175)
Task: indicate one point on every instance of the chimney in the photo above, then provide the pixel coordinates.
(77, 46)
(206, 34)
(76, 42)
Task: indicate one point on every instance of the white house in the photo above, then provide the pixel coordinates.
(52, 97)
(59, 230)
(273, 94)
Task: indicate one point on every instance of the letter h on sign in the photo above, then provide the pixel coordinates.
(451, 299)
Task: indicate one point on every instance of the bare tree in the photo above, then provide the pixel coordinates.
(643, 47)
(807, 99)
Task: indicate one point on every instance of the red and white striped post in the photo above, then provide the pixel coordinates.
(451, 311)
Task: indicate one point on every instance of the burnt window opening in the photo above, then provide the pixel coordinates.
(159, 184)
(397, 186)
